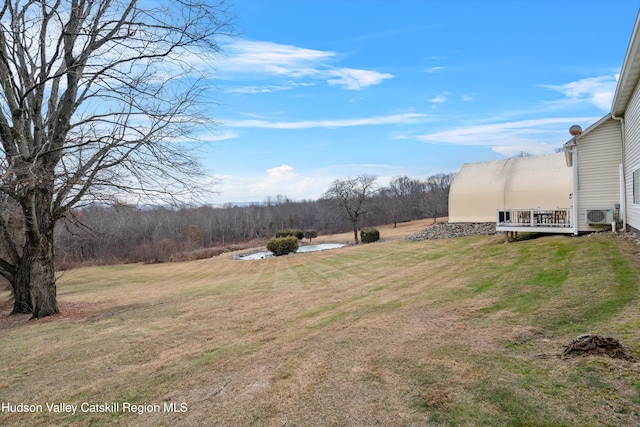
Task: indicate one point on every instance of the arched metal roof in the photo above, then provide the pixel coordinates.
(479, 189)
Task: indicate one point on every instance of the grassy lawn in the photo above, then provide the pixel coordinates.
(464, 331)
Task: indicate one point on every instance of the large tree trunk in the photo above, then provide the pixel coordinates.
(38, 251)
(20, 285)
(43, 280)
(33, 280)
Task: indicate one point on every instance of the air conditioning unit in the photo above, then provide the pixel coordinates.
(599, 216)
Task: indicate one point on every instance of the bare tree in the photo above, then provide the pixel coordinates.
(97, 99)
(438, 194)
(351, 196)
(406, 198)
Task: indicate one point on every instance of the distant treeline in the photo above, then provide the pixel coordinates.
(121, 233)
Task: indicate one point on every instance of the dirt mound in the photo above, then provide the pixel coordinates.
(594, 345)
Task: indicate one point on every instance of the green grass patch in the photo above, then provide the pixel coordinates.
(546, 272)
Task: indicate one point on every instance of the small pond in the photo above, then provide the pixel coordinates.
(301, 249)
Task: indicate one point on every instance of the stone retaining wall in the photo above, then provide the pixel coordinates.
(447, 230)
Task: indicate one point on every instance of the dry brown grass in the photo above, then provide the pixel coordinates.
(453, 332)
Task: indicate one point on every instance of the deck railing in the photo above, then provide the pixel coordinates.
(560, 218)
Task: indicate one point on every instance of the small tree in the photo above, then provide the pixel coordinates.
(351, 196)
(310, 234)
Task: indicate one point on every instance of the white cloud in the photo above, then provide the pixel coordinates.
(253, 90)
(467, 98)
(218, 136)
(246, 56)
(537, 136)
(368, 121)
(281, 179)
(281, 172)
(433, 69)
(267, 59)
(439, 99)
(594, 90)
(352, 79)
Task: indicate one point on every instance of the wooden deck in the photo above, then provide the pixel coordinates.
(535, 220)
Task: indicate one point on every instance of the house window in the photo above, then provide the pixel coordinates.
(636, 186)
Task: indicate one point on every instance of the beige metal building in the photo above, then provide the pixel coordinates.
(536, 183)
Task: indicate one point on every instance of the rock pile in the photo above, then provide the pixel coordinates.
(447, 230)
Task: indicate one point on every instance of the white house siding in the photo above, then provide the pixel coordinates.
(632, 157)
(599, 159)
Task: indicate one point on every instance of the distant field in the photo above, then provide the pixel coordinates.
(463, 331)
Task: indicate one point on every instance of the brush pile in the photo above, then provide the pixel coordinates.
(594, 345)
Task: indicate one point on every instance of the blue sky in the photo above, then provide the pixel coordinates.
(312, 91)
